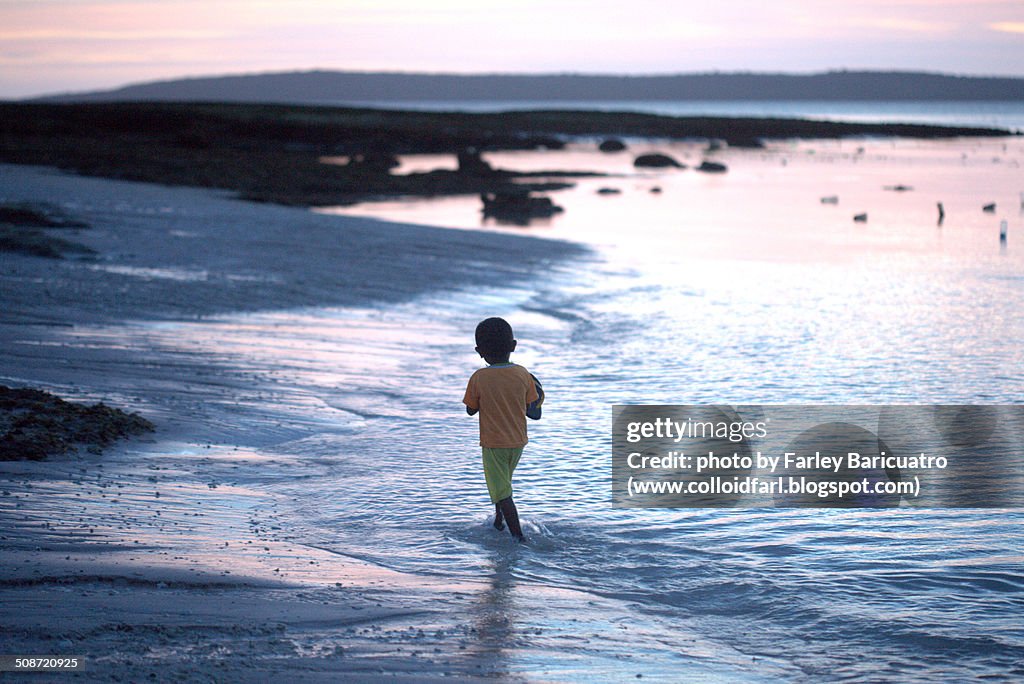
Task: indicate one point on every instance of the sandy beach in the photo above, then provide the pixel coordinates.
(138, 566)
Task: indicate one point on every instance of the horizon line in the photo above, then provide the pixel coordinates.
(541, 74)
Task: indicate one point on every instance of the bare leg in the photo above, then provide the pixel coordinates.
(499, 519)
(511, 513)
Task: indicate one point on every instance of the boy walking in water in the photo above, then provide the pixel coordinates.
(500, 393)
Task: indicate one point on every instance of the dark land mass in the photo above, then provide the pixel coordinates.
(336, 87)
(273, 153)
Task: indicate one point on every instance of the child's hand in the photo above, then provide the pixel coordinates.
(533, 409)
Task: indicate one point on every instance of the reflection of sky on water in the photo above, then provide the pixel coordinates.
(737, 288)
(746, 288)
(769, 199)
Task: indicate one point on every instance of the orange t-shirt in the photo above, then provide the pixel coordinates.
(501, 393)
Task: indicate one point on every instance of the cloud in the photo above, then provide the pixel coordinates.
(1008, 26)
(135, 35)
(906, 25)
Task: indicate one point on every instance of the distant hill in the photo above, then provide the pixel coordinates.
(338, 87)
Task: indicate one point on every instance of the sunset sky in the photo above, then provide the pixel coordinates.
(49, 46)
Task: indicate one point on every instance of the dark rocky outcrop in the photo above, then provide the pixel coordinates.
(747, 143)
(374, 161)
(274, 153)
(712, 167)
(35, 424)
(518, 207)
(611, 145)
(656, 161)
(470, 162)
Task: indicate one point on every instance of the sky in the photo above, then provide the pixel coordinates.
(50, 46)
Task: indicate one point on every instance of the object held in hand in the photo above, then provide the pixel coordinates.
(533, 409)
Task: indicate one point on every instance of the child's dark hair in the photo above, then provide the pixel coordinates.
(494, 338)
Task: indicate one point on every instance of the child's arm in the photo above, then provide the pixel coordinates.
(533, 408)
(472, 397)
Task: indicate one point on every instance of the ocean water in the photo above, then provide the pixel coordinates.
(736, 288)
(739, 288)
(1009, 114)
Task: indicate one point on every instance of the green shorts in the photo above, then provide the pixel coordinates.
(499, 465)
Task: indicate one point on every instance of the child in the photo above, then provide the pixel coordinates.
(500, 393)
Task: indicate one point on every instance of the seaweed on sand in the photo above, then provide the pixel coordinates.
(23, 227)
(36, 424)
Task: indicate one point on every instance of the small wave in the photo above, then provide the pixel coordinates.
(559, 314)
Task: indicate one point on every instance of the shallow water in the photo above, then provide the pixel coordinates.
(739, 288)
(392, 476)
(734, 288)
(1008, 114)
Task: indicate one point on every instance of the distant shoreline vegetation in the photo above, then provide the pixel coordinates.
(273, 153)
(322, 87)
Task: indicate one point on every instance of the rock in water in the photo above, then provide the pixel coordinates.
(374, 161)
(518, 207)
(472, 163)
(612, 145)
(656, 161)
(712, 167)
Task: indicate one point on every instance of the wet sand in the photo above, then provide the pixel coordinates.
(152, 559)
(154, 566)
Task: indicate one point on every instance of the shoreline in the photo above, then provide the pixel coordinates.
(171, 253)
(246, 604)
(154, 558)
(148, 587)
(272, 153)
(166, 556)
(95, 328)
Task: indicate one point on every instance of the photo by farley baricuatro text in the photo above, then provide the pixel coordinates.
(695, 456)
